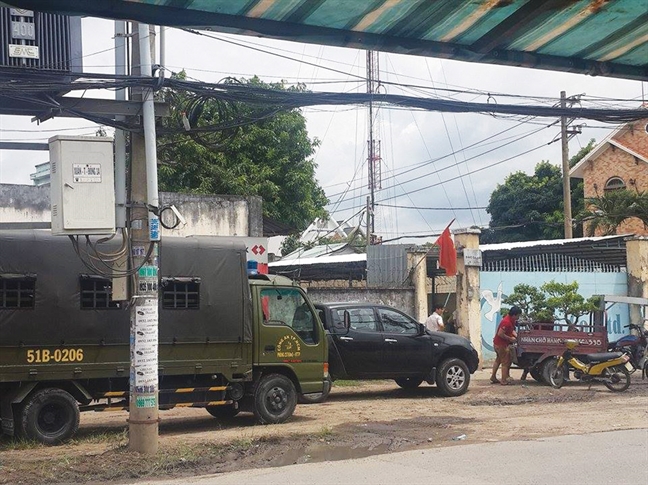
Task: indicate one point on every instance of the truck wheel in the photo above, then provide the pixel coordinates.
(317, 397)
(50, 416)
(536, 373)
(225, 411)
(275, 399)
(409, 382)
(453, 377)
(547, 369)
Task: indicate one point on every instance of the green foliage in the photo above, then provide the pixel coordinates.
(290, 244)
(530, 207)
(605, 213)
(238, 149)
(544, 304)
(531, 301)
(564, 299)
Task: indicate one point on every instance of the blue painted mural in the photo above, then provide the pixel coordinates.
(496, 285)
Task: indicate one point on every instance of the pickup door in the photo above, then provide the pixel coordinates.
(406, 352)
(361, 347)
(381, 343)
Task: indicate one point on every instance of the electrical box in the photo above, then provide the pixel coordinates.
(82, 184)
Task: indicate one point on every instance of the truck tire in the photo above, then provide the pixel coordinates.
(536, 373)
(275, 399)
(453, 377)
(224, 411)
(548, 368)
(317, 397)
(409, 382)
(50, 416)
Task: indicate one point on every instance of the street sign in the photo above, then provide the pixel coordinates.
(472, 257)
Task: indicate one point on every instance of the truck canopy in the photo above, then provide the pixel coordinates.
(65, 293)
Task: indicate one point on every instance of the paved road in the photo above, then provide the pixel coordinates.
(616, 457)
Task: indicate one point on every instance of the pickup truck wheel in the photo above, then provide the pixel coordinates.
(275, 399)
(50, 416)
(409, 382)
(453, 377)
(225, 411)
(317, 397)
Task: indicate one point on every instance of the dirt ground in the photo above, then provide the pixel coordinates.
(359, 419)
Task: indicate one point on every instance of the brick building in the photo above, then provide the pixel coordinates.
(620, 162)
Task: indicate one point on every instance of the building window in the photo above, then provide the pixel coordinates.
(614, 183)
(181, 293)
(17, 291)
(96, 293)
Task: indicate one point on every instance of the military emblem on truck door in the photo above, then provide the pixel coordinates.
(289, 347)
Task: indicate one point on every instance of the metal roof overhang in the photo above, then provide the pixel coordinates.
(596, 37)
(605, 250)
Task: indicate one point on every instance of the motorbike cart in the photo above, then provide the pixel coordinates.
(540, 344)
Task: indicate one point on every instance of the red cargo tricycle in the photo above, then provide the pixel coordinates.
(539, 344)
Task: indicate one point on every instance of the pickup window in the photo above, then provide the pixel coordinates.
(360, 319)
(17, 291)
(394, 322)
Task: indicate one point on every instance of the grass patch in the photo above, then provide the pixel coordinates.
(324, 432)
(344, 383)
(7, 443)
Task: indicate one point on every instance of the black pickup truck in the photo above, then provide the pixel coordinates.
(381, 342)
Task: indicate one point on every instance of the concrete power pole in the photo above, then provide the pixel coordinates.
(565, 169)
(145, 234)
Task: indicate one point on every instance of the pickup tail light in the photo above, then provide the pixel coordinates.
(326, 369)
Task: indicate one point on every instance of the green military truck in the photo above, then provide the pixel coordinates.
(227, 342)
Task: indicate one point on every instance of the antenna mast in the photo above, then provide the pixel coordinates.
(373, 146)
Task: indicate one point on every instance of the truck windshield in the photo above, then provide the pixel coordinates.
(287, 306)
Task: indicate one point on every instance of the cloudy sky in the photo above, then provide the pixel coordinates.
(436, 166)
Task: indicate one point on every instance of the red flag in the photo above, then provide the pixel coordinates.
(447, 252)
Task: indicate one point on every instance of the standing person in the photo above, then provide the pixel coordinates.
(504, 337)
(435, 321)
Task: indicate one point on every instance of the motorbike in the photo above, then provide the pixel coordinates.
(635, 346)
(610, 368)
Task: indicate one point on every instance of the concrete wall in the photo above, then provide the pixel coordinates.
(218, 215)
(496, 285)
(401, 298)
(24, 203)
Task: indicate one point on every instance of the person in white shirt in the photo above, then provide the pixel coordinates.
(435, 321)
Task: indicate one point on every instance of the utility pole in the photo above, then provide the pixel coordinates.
(373, 146)
(145, 234)
(565, 135)
(565, 169)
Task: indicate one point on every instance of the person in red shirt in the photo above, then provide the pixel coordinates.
(504, 337)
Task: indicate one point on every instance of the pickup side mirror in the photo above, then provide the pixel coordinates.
(346, 320)
(421, 329)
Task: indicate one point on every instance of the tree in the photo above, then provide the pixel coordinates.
(530, 207)
(552, 301)
(531, 301)
(563, 299)
(210, 146)
(605, 214)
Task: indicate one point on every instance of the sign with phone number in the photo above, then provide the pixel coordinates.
(45, 356)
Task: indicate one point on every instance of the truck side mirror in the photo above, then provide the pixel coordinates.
(421, 330)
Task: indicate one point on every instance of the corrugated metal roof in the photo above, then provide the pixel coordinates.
(598, 37)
